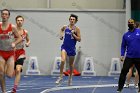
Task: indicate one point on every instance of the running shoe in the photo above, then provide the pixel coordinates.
(59, 80)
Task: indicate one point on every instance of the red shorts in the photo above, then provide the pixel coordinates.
(18, 53)
(6, 54)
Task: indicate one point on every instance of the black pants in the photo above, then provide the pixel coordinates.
(128, 62)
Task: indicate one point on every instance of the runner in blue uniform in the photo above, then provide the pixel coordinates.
(70, 34)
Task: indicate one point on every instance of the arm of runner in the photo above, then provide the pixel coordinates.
(62, 32)
(18, 37)
(27, 39)
(76, 34)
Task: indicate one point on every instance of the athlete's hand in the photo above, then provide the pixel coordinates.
(13, 45)
(73, 31)
(14, 48)
(27, 44)
(61, 37)
(122, 59)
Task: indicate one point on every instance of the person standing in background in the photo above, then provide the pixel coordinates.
(131, 44)
(132, 69)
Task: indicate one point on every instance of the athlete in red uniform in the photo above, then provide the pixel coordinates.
(20, 52)
(8, 32)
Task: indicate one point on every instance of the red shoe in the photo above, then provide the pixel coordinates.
(13, 90)
(76, 73)
(66, 73)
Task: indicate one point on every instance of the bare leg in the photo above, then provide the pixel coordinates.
(63, 59)
(3, 85)
(18, 74)
(129, 74)
(10, 67)
(2, 75)
(136, 80)
(71, 61)
(17, 78)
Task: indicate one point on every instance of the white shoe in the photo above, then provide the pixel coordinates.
(59, 80)
(70, 82)
(136, 86)
(126, 86)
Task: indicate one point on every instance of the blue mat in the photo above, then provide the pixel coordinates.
(46, 84)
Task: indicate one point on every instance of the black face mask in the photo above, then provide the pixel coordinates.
(131, 26)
